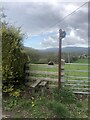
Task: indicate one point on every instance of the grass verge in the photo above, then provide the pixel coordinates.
(56, 104)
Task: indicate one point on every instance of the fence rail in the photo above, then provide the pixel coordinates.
(45, 78)
(44, 72)
(77, 77)
(77, 71)
(77, 64)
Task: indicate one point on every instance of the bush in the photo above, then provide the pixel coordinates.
(13, 59)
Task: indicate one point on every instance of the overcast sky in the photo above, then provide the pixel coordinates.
(38, 20)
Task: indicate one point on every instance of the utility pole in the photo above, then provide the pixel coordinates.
(62, 34)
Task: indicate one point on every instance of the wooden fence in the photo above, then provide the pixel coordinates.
(79, 84)
(44, 72)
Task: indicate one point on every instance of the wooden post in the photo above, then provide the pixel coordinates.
(62, 34)
(59, 60)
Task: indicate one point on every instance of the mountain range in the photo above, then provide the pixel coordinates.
(67, 50)
(82, 50)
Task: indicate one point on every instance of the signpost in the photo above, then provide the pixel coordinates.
(62, 34)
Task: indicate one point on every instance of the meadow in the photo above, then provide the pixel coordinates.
(67, 67)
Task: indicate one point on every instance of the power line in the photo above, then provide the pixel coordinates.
(59, 21)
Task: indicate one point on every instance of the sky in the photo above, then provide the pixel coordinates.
(41, 21)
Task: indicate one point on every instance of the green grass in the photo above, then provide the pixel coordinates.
(58, 104)
(66, 67)
(83, 61)
(42, 67)
(26, 107)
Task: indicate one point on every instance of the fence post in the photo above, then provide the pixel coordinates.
(62, 70)
(27, 67)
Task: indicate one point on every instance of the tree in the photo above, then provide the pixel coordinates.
(33, 54)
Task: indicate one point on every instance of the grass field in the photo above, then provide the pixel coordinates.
(83, 61)
(72, 67)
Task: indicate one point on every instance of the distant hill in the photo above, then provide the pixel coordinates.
(67, 50)
(75, 49)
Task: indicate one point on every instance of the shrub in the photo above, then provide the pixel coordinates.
(13, 59)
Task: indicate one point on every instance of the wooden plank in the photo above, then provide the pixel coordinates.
(76, 71)
(81, 81)
(29, 64)
(35, 83)
(76, 77)
(43, 83)
(44, 66)
(44, 72)
(47, 79)
(77, 64)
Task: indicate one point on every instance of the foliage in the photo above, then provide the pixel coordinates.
(66, 105)
(83, 61)
(44, 107)
(43, 61)
(32, 54)
(59, 109)
(64, 95)
(13, 59)
(43, 57)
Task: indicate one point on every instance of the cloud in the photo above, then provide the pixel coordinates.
(72, 39)
(53, 1)
(39, 17)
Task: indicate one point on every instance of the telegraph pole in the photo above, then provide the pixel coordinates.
(62, 34)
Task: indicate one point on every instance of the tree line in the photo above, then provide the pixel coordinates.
(40, 57)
